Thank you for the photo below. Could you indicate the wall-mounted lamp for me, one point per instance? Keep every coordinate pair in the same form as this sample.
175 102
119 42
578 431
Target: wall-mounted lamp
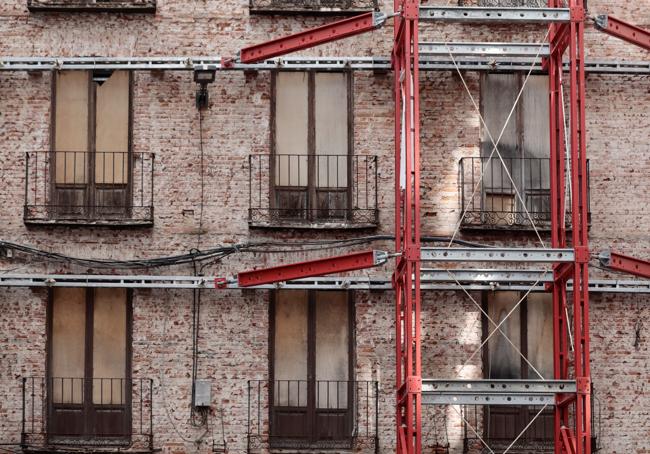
101 75
203 77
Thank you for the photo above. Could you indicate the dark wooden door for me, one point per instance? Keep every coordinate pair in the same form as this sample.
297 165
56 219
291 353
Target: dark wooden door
89 384
312 394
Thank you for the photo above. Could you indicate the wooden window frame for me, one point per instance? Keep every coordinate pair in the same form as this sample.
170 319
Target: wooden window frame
90 185
311 147
311 361
87 404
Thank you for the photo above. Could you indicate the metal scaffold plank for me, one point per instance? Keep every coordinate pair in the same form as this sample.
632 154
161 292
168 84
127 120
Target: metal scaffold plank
485 49
494 14
539 255
494 392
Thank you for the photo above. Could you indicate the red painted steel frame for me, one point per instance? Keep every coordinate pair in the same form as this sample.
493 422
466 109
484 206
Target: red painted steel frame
309 38
578 440
406 278
320 267
621 29
627 264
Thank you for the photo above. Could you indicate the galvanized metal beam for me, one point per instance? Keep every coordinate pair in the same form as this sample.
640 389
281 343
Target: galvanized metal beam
494 392
494 14
441 254
485 49
439 63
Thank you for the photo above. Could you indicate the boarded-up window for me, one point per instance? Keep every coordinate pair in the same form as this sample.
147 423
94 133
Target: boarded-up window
529 327
88 365
91 144
311 146
524 145
311 364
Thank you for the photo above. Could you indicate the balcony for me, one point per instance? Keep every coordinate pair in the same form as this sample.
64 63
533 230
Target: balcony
323 414
489 200
306 191
337 7
112 413
120 6
89 188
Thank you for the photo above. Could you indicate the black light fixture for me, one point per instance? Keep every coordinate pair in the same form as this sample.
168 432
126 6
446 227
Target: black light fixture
203 77
101 75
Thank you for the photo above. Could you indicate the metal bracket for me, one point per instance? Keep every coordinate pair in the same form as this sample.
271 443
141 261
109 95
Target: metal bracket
410 11
583 385
582 254
413 384
577 13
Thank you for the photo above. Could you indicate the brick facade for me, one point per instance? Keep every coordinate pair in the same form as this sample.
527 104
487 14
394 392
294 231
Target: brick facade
234 326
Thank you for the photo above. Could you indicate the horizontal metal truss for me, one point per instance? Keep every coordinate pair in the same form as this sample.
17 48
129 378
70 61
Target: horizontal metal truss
508 15
441 254
485 49
494 392
441 63
432 280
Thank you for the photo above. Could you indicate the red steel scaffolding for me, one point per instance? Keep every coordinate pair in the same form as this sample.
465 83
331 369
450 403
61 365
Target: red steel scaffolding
572 428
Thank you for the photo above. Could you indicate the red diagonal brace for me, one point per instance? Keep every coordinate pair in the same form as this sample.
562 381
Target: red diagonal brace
568 440
320 267
627 32
313 37
627 264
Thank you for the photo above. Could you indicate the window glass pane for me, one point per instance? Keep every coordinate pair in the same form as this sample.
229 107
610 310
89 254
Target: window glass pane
112 130
332 349
504 361
68 345
109 346
290 349
291 128
540 334
331 118
71 126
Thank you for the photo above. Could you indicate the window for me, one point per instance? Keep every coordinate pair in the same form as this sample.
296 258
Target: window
88 384
123 6
91 142
311 368
524 147
530 328
311 146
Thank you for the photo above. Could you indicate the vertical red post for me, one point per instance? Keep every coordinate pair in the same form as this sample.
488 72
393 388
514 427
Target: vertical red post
406 278
561 37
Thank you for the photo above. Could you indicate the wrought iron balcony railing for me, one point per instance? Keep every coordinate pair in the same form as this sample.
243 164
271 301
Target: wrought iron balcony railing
87 412
317 414
77 187
311 6
489 199
122 6
301 191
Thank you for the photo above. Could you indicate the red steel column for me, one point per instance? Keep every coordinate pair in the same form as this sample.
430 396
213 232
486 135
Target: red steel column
558 44
407 228
580 233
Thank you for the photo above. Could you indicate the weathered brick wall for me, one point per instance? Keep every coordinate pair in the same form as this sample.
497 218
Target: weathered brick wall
234 328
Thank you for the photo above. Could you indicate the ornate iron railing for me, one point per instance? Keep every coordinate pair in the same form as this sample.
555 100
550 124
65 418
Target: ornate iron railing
87 412
307 190
489 199
322 414
124 6
76 187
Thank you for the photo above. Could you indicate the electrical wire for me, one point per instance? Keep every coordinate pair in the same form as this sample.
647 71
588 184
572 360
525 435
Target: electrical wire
217 253
198 237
